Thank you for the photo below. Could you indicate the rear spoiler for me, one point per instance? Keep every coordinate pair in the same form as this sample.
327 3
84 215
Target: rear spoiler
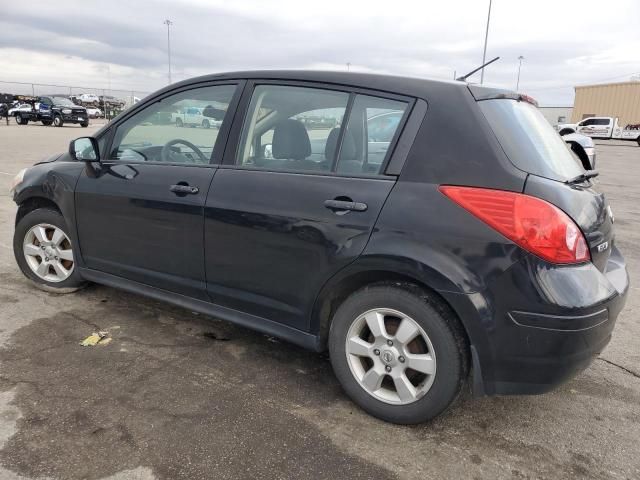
487 93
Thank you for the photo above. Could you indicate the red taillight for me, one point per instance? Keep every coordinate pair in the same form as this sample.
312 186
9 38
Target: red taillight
535 225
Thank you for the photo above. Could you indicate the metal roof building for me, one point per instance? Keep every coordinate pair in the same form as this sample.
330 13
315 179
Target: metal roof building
608 100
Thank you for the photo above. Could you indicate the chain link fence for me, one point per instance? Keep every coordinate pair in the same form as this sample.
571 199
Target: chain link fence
127 97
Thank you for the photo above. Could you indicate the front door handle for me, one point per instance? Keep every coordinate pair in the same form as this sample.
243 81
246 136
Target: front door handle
345 205
184 189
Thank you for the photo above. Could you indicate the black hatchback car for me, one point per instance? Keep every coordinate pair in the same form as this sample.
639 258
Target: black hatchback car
428 234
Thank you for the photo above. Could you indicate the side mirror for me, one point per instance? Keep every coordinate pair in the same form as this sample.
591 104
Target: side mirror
85 149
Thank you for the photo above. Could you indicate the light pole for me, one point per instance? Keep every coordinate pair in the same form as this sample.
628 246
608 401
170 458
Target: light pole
168 23
486 37
348 66
520 58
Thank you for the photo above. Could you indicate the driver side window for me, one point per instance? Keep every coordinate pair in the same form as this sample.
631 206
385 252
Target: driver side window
181 128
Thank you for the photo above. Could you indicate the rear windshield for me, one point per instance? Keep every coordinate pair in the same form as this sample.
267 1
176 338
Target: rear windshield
529 140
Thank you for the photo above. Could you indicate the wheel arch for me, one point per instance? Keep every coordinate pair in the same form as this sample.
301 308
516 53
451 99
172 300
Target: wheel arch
33 203
359 275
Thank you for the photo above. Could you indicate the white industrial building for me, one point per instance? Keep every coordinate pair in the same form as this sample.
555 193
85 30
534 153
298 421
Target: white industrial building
556 115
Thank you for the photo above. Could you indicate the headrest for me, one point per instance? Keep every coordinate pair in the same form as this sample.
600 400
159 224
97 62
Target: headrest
348 151
290 140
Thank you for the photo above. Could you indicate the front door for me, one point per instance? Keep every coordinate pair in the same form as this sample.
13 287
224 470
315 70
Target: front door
140 212
295 202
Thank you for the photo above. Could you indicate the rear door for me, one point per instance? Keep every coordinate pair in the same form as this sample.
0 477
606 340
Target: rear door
140 214
296 199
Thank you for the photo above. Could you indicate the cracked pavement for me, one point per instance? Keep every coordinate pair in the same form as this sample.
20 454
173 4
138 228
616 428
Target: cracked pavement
180 395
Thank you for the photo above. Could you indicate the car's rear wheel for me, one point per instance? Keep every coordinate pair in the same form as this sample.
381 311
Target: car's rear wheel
206 124
178 122
85 124
20 120
44 252
398 353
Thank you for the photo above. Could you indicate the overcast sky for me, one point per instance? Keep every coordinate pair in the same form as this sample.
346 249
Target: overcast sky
80 42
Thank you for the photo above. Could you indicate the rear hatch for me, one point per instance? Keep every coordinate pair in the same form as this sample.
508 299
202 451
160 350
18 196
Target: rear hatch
555 173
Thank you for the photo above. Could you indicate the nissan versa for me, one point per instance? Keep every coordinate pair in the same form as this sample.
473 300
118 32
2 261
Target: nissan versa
429 234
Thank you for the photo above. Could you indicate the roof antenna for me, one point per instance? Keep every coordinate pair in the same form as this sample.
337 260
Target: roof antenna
464 77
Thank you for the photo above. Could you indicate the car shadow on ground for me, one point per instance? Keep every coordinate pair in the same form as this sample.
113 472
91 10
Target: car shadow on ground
186 395
192 397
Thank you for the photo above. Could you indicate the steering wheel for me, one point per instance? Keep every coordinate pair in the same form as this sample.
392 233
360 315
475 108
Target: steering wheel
165 153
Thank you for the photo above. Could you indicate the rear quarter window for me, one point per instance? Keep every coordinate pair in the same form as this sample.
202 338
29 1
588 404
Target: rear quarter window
529 140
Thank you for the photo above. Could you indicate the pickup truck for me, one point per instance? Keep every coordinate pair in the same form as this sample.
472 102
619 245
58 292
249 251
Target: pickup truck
602 127
192 117
50 109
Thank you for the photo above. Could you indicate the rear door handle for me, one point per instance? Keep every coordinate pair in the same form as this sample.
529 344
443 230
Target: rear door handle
184 189
345 205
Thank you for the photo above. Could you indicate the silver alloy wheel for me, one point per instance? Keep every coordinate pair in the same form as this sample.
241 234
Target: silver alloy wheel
47 250
390 356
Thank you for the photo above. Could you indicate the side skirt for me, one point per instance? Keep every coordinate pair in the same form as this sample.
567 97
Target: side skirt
285 332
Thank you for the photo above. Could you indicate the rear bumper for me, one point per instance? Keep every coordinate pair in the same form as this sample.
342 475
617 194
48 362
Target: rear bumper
539 325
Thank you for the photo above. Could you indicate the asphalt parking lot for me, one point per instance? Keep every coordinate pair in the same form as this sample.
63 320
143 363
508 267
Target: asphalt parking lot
177 395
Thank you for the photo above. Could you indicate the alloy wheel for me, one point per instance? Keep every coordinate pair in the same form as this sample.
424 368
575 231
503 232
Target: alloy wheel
391 356
47 250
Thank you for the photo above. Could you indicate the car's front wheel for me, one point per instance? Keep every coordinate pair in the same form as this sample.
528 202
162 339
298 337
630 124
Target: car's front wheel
58 121
399 353
44 252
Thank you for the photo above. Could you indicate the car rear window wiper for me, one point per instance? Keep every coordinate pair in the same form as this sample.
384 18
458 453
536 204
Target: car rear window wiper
583 177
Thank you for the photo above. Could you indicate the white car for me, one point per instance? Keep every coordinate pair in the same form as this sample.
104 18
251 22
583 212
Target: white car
25 107
89 98
94 112
193 117
583 147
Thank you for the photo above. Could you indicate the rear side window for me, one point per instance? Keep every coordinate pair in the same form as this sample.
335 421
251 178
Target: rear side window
529 140
372 126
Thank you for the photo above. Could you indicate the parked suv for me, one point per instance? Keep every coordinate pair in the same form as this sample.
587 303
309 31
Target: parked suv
478 254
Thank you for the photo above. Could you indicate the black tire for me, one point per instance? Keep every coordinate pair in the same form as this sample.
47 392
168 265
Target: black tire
20 120
58 121
52 217
206 124
438 322
638 140
565 131
47 123
85 124
179 122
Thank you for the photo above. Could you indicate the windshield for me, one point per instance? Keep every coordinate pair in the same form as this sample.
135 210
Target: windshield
65 102
529 140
